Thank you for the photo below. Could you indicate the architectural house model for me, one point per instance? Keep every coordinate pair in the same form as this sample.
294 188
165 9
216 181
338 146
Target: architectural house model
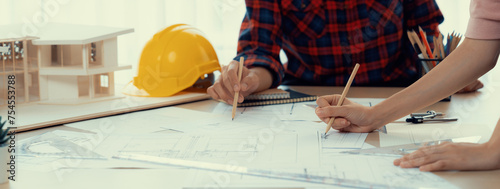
60 63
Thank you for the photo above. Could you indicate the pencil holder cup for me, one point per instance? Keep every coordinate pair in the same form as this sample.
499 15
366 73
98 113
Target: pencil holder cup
425 65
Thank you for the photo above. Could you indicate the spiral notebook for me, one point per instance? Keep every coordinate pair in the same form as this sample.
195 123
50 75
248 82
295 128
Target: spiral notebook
269 94
270 98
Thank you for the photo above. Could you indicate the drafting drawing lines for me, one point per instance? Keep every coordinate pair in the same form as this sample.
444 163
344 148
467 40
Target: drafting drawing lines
278 109
191 146
336 139
224 147
163 147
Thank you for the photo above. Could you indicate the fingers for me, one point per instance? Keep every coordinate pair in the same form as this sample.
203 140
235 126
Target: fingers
352 117
397 162
227 84
212 93
476 85
249 83
230 78
436 166
324 101
331 111
428 158
433 163
355 129
219 92
330 100
326 113
338 122
419 160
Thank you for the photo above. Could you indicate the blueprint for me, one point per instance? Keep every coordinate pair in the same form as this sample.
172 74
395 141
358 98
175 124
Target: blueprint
279 146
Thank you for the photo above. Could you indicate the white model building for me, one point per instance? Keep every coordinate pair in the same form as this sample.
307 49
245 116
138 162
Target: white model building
60 64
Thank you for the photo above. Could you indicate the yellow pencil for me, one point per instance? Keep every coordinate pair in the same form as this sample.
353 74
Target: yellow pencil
237 94
344 93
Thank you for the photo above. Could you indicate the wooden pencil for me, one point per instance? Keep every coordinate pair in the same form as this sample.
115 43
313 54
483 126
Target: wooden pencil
456 39
412 41
436 47
415 37
453 41
344 93
237 94
426 43
448 44
441 46
419 44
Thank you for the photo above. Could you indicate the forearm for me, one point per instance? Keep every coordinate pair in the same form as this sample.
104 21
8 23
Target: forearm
468 62
259 41
495 137
265 78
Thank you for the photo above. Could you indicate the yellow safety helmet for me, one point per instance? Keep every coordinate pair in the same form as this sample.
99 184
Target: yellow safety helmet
172 61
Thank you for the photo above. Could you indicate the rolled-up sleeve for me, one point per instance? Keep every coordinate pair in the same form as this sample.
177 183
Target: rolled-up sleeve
484 22
260 38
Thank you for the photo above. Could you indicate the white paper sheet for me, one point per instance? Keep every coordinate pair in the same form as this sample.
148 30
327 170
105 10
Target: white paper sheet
144 122
336 139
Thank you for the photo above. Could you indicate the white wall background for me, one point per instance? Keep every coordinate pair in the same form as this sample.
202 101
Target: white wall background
219 19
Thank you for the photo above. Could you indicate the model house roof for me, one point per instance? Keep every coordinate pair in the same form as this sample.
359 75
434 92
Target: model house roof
16 38
61 34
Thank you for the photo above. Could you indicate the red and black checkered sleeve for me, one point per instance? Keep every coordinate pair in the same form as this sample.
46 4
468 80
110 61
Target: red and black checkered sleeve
423 13
260 37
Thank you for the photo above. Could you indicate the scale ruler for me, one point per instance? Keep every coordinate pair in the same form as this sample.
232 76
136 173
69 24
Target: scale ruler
252 172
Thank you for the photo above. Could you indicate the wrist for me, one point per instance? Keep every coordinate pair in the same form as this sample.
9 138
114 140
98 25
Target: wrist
492 148
377 116
264 78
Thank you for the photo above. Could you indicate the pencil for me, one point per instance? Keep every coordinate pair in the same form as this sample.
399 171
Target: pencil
441 48
435 52
237 94
419 44
412 41
426 43
344 93
415 37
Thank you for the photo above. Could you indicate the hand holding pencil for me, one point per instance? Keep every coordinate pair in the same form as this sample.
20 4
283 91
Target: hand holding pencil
344 93
229 82
350 117
342 114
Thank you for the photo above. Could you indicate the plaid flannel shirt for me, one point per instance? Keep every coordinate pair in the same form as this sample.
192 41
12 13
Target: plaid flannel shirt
323 39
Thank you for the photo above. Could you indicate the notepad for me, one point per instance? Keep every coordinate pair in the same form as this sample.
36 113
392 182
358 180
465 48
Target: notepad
293 96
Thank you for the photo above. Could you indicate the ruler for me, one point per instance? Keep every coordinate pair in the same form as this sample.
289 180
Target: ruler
400 150
250 171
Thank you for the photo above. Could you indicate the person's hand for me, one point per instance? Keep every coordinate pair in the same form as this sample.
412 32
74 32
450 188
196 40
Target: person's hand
227 83
474 86
452 156
350 117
